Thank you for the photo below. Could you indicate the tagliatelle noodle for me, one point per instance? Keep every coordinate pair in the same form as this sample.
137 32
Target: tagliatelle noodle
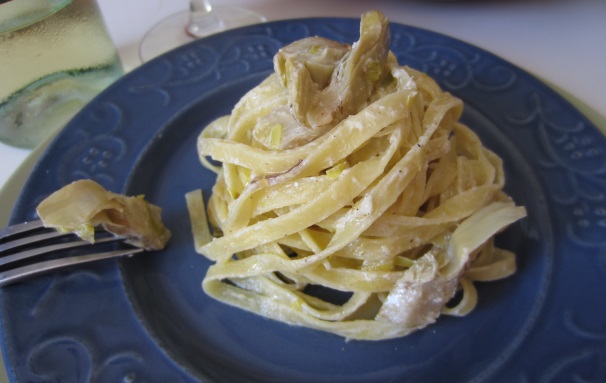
394 205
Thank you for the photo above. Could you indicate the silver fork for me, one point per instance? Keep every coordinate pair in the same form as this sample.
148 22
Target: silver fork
24 241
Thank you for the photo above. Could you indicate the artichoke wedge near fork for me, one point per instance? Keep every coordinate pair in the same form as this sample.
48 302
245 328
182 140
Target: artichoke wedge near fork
82 205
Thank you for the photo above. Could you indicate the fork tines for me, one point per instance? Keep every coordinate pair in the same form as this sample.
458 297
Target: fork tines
22 242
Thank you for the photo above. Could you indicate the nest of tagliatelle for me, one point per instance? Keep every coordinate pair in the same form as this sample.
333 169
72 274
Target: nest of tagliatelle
346 171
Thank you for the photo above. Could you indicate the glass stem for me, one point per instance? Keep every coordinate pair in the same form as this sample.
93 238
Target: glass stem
202 20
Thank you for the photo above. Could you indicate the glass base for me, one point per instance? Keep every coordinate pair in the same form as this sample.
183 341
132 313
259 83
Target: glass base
172 32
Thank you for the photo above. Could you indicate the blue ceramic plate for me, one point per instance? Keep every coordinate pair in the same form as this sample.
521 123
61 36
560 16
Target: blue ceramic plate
146 319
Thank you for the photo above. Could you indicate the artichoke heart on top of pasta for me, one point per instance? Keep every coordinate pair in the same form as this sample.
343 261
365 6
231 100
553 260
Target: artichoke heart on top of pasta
328 81
82 205
346 171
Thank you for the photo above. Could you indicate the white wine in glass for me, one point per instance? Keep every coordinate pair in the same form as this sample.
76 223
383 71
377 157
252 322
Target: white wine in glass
202 19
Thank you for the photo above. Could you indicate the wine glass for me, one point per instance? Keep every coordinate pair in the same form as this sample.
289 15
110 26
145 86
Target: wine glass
202 19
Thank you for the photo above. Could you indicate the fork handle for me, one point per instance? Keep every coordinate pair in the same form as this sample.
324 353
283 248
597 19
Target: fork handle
23 272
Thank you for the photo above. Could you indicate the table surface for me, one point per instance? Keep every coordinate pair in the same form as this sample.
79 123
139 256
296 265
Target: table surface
559 41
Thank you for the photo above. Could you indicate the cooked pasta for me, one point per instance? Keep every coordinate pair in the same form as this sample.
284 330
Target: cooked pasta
344 171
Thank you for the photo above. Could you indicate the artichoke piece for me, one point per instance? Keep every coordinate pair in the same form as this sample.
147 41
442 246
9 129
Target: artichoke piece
355 78
305 68
82 205
328 81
